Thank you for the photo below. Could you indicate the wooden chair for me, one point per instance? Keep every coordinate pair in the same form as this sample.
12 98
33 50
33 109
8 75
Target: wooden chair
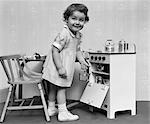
16 75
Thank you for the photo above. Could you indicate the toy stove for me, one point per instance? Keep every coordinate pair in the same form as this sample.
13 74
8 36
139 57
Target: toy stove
111 82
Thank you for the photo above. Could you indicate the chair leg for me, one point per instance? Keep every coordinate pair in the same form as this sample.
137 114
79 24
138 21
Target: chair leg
6 104
13 95
44 102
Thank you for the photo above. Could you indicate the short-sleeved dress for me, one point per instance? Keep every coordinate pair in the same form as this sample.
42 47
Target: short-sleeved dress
68 44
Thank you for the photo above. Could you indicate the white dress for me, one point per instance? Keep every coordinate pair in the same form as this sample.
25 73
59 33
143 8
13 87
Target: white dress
68 44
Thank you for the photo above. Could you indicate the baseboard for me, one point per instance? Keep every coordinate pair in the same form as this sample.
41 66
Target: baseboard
3 94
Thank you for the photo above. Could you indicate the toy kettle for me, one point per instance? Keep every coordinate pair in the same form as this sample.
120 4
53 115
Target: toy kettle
109 46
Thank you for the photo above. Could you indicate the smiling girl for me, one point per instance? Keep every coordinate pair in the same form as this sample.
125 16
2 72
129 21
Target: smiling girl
60 62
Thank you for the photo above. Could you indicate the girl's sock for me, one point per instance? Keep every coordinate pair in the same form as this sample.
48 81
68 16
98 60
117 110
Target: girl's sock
51 103
52 110
62 107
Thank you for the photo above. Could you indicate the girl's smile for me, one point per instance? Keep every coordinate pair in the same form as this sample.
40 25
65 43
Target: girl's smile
76 21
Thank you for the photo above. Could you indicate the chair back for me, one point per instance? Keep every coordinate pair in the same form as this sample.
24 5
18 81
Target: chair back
12 66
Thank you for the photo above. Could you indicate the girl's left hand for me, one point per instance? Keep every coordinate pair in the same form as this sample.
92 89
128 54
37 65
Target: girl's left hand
84 65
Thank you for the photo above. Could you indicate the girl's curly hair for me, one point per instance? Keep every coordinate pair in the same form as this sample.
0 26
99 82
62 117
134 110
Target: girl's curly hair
76 7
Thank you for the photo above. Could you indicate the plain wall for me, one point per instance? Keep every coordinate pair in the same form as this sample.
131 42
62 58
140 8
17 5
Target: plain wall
28 26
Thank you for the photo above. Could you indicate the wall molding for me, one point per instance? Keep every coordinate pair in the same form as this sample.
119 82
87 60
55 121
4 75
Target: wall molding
4 92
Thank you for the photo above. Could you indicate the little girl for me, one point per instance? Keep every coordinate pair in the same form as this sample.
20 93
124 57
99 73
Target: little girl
60 61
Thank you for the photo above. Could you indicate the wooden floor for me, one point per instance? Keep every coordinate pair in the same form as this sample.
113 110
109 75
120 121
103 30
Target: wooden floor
86 117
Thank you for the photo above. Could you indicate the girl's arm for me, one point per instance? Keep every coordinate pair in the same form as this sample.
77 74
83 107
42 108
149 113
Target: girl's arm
79 54
81 59
58 63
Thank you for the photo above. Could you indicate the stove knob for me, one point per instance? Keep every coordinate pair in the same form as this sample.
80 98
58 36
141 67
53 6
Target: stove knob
103 58
95 58
99 58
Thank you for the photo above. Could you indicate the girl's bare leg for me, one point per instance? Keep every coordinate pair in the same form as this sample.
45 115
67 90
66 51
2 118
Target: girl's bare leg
52 110
52 92
61 95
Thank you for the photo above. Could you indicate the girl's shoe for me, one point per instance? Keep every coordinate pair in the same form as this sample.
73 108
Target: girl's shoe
67 116
52 111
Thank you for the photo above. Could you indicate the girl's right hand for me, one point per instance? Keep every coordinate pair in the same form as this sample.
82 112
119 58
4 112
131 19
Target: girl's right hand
62 73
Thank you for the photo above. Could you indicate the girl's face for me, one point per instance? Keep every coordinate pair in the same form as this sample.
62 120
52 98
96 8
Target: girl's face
76 21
